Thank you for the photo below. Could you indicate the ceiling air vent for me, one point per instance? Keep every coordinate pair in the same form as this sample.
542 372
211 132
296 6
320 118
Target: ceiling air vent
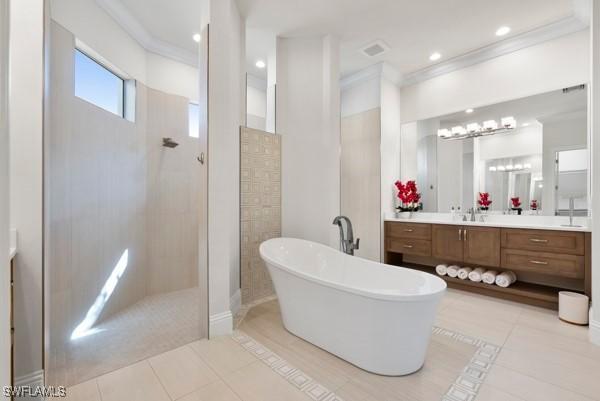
375 49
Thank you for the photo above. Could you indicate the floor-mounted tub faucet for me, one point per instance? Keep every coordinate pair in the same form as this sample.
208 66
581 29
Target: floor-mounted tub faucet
347 244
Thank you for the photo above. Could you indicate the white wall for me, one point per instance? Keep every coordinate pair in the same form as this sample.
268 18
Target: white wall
522 142
92 25
4 201
391 127
308 118
362 96
26 80
548 66
226 114
256 103
170 76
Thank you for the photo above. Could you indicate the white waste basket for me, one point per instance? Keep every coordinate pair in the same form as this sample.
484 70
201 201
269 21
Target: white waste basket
573 307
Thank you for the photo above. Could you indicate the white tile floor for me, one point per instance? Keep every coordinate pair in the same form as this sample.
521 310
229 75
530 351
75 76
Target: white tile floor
542 359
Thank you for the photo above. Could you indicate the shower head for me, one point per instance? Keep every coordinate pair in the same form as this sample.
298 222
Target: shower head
169 143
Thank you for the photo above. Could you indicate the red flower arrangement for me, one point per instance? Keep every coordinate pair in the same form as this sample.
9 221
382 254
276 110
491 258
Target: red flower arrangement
516 202
484 200
533 205
409 196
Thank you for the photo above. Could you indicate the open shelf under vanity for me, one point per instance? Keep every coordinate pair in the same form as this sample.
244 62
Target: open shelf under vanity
545 261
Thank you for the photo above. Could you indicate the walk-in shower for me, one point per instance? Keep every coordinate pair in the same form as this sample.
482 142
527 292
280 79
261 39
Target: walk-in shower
125 263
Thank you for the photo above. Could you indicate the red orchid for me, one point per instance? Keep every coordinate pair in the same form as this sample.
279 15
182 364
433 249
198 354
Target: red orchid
516 202
484 200
534 204
408 195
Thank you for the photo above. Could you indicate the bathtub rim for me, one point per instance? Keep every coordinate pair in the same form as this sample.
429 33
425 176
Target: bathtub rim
353 290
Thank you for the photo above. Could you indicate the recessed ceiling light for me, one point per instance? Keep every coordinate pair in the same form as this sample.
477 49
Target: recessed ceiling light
503 30
261 64
197 37
435 56
469 111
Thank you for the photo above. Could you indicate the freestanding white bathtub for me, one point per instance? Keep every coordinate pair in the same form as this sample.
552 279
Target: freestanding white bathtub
377 317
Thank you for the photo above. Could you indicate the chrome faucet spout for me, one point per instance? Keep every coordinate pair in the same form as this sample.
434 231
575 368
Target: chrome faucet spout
347 244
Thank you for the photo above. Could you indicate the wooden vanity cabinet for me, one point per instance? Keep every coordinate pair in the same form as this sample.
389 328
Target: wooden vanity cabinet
469 244
546 261
481 246
447 243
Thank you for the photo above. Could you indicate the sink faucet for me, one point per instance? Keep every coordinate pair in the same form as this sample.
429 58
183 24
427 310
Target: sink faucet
347 244
472 213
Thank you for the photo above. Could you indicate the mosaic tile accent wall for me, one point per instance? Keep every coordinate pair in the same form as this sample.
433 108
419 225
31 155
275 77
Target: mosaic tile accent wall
260 200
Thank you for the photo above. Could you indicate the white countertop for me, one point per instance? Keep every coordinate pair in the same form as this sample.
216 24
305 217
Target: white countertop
12 250
500 220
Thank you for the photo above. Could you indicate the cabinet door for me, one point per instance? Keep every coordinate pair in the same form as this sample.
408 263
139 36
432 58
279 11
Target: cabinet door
482 246
447 242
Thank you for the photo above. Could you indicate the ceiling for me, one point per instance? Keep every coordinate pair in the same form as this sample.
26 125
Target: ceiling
412 29
173 22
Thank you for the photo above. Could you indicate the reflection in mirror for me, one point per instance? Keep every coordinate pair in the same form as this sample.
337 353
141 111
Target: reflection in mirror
260 79
533 148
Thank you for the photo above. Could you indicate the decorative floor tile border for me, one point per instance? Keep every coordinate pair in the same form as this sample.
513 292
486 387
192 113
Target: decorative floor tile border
468 383
464 388
295 377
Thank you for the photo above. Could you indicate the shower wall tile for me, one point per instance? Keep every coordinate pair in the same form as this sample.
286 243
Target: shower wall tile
173 177
260 201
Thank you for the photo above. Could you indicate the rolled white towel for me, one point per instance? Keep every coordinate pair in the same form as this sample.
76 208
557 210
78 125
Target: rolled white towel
505 279
489 277
463 273
452 271
476 274
441 269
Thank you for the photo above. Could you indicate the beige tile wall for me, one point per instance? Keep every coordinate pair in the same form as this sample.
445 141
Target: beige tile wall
260 194
361 179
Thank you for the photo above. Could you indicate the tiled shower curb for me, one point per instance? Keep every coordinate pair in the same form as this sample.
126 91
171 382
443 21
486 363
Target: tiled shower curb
464 388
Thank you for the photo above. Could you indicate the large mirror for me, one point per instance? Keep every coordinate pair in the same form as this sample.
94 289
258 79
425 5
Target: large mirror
534 149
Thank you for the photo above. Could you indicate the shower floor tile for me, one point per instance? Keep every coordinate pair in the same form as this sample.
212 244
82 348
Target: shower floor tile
150 327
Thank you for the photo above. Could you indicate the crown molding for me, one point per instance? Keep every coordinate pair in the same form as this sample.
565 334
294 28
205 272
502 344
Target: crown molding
379 70
536 36
138 32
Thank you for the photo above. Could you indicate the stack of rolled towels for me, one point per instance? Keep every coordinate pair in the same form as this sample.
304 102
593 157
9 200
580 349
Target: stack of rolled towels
478 275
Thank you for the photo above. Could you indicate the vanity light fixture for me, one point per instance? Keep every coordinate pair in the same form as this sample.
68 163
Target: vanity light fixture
492 168
518 167
525 125
503 30
509 122
490 127
473 128
527 165
501 168
197 37
435 56
444 133
469 111
458 130
261 64
509 167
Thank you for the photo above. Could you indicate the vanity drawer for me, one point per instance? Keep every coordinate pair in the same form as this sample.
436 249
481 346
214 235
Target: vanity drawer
409 246
572 243
571 266
408 230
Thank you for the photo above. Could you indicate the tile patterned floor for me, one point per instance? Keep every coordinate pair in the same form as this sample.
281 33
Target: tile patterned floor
482 350
151 326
